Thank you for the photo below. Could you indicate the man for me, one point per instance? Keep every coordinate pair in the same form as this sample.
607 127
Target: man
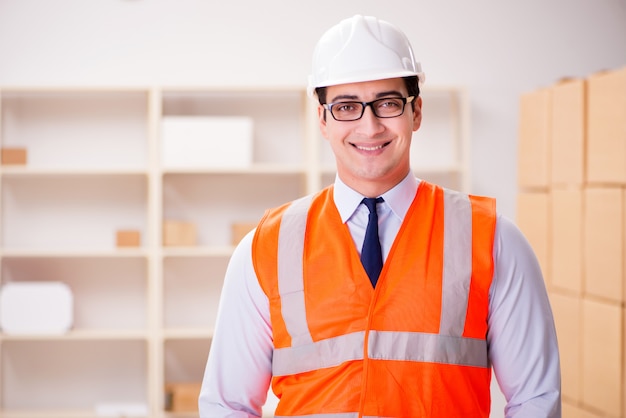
382 295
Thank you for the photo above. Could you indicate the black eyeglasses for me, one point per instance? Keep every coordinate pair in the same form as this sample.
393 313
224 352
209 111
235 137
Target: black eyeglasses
388 107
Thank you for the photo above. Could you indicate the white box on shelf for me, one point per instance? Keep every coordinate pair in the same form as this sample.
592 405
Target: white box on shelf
196 142
121 409
36 308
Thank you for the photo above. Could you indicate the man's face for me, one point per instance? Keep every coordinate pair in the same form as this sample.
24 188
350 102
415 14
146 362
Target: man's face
372 154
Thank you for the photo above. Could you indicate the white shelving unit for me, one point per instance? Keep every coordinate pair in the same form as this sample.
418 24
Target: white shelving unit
143 317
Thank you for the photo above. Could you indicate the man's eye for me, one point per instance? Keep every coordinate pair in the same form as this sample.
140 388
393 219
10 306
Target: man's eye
390 104
345 107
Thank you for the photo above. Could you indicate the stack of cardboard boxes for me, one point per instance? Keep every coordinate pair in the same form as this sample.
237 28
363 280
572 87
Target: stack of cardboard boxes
572 209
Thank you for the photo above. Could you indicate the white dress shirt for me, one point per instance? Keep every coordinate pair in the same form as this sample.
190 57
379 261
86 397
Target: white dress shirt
521 335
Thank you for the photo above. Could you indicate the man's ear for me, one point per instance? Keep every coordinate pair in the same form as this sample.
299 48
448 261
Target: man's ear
321 116
417 113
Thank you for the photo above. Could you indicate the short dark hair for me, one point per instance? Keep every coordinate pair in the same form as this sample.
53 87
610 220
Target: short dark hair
411 82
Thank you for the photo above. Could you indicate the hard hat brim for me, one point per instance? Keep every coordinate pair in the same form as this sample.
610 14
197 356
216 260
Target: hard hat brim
364 78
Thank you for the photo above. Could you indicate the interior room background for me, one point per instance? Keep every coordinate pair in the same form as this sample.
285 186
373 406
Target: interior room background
497 50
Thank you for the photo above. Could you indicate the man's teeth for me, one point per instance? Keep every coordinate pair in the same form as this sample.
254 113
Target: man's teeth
369 148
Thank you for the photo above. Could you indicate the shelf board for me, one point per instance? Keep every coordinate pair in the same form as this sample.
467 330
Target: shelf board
29 171
188 333
74 253
21 90
171 89
66 413
251 170
206 251
81 335
169 414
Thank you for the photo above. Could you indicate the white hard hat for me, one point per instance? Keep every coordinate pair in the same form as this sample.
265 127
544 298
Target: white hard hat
362 48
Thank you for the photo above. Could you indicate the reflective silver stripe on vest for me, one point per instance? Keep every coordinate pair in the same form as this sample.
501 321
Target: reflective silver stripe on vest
330 352
290 279
344 415
337 415
430 348
383 345
457 262
448 347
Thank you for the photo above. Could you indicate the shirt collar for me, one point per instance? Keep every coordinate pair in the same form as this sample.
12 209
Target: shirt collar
399 198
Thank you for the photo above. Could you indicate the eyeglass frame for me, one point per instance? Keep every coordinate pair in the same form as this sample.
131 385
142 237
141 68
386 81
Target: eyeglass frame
405 101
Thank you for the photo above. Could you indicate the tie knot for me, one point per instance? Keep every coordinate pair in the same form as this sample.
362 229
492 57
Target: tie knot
371 202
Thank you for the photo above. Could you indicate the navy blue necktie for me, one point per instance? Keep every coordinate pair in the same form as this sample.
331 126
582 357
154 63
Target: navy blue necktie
371 254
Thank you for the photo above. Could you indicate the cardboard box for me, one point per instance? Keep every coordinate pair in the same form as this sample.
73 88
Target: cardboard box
534 139
205 142
568 319
128 238
575 411
602 356
13 156
606 128
603 246
568 133
182 397
532 219
623 348
566 239
178 233
623 245
240 230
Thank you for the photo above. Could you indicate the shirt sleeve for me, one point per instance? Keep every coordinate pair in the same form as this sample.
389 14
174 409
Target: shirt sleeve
522 337
239 367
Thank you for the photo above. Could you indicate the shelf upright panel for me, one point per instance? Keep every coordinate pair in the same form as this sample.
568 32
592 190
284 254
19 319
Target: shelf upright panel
1 246
156 358
311 136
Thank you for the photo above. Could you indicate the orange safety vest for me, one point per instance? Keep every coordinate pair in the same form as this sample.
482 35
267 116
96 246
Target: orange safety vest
415 346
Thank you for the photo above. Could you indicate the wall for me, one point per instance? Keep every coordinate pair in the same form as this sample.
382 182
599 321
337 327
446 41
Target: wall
497 49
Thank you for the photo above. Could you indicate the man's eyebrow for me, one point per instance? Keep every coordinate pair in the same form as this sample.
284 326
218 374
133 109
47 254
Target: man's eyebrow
351 97
389 93
344 97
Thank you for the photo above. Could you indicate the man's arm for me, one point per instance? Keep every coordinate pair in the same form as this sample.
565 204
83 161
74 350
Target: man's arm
239 368
522 337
